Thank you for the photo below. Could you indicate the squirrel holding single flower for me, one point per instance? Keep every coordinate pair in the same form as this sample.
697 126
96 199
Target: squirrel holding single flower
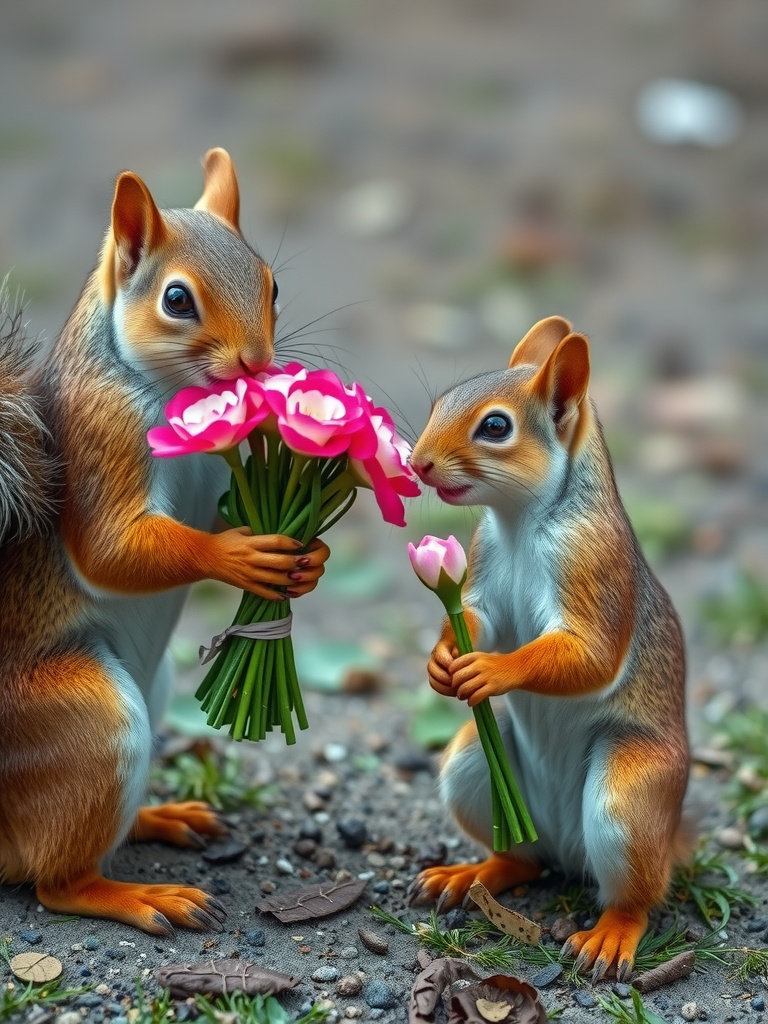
572 628
99 541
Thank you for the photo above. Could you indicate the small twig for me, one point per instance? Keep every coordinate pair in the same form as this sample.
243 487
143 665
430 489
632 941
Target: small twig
679 966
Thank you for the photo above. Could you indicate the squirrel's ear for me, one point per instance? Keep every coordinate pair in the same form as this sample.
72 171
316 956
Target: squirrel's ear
221 195
563 380
540 341
137 227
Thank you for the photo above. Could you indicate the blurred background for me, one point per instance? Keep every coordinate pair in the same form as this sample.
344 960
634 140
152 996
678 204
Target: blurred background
428 180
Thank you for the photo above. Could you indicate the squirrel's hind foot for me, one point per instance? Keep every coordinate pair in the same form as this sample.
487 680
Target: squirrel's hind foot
153 908
448 886
183 824
610 945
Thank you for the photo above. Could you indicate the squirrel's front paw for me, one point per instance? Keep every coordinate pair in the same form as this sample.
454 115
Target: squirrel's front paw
477 676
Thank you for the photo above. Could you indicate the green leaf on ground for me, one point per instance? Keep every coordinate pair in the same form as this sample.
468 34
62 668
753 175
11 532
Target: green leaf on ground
324 664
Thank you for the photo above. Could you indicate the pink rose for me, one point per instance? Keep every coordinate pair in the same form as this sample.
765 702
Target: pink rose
316 414
210 420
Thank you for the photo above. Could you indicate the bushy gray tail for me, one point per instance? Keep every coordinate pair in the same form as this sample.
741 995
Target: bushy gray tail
26 466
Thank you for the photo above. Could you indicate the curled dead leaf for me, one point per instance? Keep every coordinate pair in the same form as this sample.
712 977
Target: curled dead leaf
501 999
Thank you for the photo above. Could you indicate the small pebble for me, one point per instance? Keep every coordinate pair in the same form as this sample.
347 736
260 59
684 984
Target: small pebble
689 1011
334 753
69 1017
221 886
353 832
325 974
730 838
431 855
305 848
310 829
267 887
373 941
115 954
380 996
352 1012
621 990
412 760
32 937
349 985
547 975
382 888
349 953
91 943
256 937
563 928
585 999
455 918
758 822
325 858
758 1003
284 866
224 853
312 802
89 999
756 924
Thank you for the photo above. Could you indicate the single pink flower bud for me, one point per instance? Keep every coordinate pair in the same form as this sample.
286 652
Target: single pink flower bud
441 565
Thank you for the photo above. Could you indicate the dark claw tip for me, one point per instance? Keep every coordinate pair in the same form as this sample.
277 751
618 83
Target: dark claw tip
164 925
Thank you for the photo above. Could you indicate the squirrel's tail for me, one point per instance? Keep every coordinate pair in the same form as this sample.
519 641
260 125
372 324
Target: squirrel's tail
26 465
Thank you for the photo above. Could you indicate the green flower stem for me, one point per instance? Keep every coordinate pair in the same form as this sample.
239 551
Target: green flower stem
511 819
238 471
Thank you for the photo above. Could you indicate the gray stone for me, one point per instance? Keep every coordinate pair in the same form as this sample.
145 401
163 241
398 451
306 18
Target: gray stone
325 974
380 996
547 975
353 832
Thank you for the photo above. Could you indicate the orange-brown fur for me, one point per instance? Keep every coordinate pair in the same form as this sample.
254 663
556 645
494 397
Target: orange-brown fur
571 627
90 595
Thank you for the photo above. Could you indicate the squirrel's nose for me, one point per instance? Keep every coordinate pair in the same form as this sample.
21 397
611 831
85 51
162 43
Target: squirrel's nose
423 469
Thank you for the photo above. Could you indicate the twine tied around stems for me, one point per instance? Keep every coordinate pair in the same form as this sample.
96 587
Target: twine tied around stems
276 630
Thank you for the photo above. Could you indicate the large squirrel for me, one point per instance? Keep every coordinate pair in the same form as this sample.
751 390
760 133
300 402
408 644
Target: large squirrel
572 628
100 540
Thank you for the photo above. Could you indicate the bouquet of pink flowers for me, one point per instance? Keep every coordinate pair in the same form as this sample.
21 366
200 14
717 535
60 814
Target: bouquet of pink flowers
313 441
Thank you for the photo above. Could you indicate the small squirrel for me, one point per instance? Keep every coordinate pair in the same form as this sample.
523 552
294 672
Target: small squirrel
100 540
581 640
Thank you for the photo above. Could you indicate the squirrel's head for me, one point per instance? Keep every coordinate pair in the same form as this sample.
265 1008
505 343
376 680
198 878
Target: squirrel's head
506 437
191 301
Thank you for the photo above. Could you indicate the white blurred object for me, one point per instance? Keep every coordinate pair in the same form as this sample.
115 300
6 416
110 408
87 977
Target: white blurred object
676 111
375 208
507 314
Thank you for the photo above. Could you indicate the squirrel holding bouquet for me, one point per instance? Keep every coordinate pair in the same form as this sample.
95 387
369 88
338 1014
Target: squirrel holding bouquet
571 627
99 541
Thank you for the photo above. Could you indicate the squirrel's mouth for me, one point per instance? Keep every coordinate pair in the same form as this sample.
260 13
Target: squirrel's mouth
452 495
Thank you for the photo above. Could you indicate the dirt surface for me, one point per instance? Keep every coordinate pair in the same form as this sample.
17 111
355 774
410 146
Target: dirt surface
429 179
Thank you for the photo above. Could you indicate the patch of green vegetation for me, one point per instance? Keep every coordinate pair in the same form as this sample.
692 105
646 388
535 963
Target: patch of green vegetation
432 720
219 779
572 899
152 1009
746 733
739 616
479 942
710 883
635 1012
236 1006
16 998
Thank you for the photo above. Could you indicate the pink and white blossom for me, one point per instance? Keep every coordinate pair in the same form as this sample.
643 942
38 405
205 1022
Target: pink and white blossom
435 556
210 419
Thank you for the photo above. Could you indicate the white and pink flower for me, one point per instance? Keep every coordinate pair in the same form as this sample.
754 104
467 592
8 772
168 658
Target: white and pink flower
210 419
441 565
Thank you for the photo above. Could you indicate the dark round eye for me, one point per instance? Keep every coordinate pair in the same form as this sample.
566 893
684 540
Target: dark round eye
178 302
495 427
275 291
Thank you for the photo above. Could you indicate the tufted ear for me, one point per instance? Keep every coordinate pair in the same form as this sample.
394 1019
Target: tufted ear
540 341
221 195
563 380
137 227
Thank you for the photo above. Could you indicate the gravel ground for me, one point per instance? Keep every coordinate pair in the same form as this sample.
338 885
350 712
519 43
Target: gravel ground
447 173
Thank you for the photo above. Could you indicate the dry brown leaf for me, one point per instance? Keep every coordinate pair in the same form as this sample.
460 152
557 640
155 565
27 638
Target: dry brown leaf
313 901
506 920
501 999
429 986
216 977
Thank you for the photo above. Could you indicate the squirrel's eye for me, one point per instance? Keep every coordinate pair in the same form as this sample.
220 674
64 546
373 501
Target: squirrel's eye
275 291
178 302
495 427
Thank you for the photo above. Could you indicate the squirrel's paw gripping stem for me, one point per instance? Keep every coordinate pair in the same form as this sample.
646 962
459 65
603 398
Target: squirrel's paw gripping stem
610 945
